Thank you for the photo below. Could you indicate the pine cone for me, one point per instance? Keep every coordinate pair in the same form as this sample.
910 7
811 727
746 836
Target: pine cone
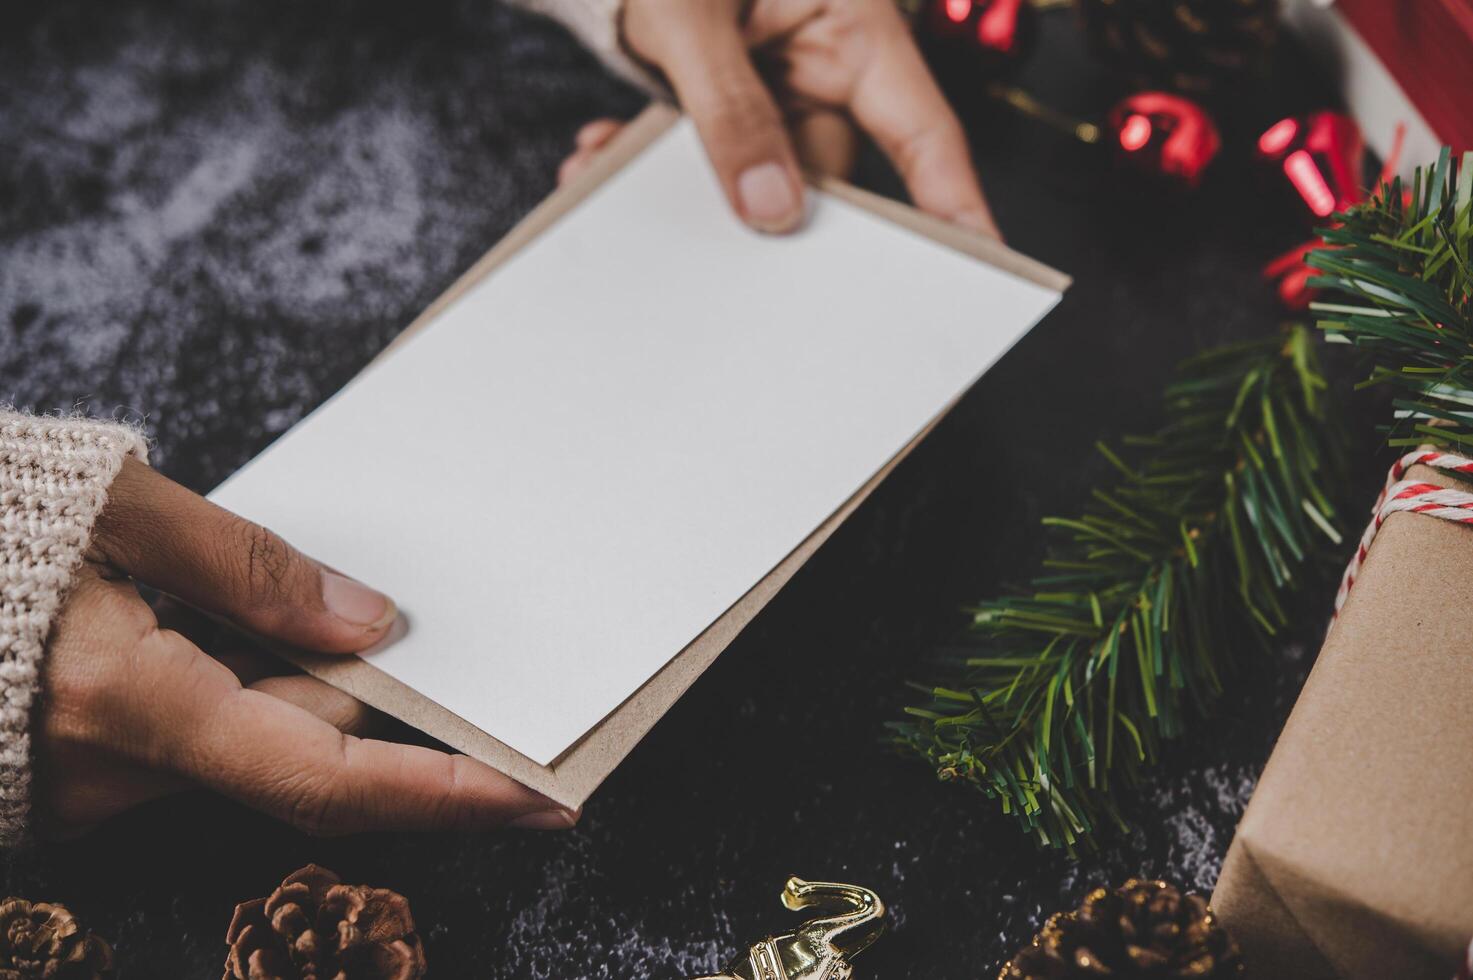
314 927
39 940
1144 930
1192 46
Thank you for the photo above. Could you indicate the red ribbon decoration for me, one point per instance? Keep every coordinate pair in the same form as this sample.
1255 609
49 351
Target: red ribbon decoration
1322 156
1165 134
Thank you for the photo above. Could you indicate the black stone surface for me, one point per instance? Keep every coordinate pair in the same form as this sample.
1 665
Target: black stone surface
212 214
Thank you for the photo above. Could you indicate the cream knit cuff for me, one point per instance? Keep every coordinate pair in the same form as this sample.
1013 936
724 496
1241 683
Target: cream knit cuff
54 477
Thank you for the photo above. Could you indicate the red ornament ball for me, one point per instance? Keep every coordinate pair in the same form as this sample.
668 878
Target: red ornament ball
1320 156
993 36
1164 135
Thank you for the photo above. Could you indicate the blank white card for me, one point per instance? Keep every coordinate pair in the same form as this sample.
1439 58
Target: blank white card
591 454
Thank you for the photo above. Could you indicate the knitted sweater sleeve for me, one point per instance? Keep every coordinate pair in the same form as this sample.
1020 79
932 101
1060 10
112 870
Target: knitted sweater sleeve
54 477
597 24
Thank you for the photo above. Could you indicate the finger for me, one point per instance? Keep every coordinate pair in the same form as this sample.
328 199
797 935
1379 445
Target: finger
180 543
281 759
249 666
596 134
590 139
86 750
225 643
262 671
571 166
897 102
175 615
88 671
574 165
340 710
701 50
826 142
277 757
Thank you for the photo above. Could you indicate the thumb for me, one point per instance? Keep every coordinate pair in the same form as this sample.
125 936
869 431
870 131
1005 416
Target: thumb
176 541
700 48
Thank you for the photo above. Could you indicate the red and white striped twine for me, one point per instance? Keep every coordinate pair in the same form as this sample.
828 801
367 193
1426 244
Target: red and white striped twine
1412 497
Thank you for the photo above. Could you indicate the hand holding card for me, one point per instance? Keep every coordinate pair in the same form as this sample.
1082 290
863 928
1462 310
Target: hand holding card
603 455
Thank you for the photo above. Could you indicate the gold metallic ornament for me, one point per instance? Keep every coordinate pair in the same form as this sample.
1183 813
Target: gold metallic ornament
819 949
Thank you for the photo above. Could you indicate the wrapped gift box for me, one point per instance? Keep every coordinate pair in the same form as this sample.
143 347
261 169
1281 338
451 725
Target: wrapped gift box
1354 859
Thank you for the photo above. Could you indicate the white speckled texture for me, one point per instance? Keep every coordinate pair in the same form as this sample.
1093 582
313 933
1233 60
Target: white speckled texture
258 195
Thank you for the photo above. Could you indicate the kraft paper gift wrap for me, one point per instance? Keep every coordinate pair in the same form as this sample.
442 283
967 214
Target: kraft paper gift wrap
1354 859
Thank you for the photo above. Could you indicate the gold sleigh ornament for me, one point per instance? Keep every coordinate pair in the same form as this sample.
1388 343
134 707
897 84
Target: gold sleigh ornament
819 949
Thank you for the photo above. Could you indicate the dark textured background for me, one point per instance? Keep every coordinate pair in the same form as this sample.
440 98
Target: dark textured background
212 214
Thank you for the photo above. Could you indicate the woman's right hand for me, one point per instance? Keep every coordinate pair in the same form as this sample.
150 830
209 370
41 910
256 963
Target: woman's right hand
132 710
770 83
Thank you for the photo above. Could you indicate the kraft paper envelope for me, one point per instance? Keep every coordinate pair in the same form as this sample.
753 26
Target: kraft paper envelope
591 462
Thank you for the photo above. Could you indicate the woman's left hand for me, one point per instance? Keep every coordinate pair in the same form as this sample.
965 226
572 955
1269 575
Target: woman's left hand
782 85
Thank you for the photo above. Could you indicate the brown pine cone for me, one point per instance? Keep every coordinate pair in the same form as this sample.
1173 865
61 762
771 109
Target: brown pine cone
314 927
1143 930
40 941
1195 46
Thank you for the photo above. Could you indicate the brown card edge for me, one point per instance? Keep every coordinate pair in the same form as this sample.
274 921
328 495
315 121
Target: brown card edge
574 775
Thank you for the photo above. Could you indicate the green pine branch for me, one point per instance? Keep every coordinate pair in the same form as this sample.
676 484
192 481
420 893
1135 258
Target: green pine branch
1063 694
1399 266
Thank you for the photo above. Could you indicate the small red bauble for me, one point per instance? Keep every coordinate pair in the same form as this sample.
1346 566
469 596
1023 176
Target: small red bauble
993 35
1165 135
1321 156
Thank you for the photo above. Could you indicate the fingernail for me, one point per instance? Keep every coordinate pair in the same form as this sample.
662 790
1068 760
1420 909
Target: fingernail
355 602
977 220
545 820
768 199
